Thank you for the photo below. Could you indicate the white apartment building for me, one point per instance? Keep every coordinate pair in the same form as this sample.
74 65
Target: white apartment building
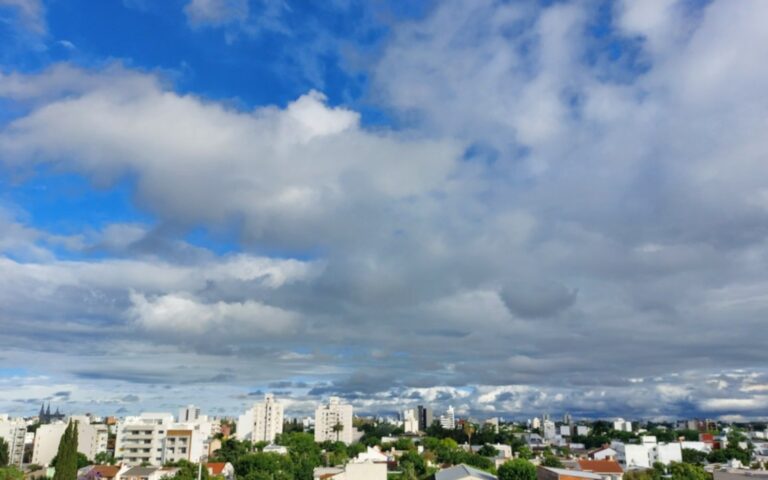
263 422
632 456
14 432
410 421
156 439
549 430
91 440
448 419
328 416
142 438
535 422
622 425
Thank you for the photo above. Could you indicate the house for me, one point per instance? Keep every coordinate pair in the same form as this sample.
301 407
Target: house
608 469
463 472
602 453
549 473
221 469
353 471
148 473
279 449
372 454
101 472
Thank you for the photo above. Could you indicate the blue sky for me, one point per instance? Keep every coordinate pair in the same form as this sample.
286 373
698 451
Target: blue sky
509 207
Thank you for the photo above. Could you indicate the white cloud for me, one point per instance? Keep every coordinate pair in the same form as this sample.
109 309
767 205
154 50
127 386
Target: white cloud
216 12
31 13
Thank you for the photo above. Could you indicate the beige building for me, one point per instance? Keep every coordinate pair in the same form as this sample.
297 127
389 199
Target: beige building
91 440
263 422
328 416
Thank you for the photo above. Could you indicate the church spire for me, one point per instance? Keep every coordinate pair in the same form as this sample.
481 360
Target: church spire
42 411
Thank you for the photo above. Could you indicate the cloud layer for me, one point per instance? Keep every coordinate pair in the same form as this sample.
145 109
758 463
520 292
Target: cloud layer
561 220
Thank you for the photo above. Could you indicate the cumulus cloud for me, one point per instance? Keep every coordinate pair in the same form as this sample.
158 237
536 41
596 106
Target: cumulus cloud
557 228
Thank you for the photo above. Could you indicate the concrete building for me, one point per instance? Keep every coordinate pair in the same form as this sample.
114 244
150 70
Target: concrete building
91 440
549 431
582 430
535 423
14 432
622 425
263 422
647 453
448 419
189 413
183 444
410 421
142 438
328 416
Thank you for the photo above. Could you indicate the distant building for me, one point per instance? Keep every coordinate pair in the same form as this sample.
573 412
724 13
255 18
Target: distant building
448 419
141 439
567 418
263 422
424 415
410 421
14 432
189 414
45 416
333 421
622 425
535 423
549 430
647 453
352 471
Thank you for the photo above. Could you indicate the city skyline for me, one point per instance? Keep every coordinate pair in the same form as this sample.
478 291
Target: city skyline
507 207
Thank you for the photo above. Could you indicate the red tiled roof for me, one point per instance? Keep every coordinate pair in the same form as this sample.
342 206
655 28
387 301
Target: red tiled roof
600 466
105 471
216 468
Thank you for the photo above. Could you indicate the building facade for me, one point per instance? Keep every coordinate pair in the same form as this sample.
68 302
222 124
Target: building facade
333 422
91 440
13 431
263 422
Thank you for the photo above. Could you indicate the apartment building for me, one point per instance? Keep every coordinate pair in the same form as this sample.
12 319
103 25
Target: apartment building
142 438
91 440
13 431
333 421
263 422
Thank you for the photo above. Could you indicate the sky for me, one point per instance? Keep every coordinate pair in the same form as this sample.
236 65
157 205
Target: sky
511 207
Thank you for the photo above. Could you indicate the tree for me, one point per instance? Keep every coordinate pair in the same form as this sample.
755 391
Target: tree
337 429
524 452
188 471
66 457
517 469
3 453
488 451
414 460
104 458
694 457
685 471
11 473
552 461
469 430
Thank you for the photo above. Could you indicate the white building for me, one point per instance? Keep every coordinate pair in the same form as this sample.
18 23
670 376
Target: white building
328 416
263 422
91 440
582 430
183 444
190 413
410 421
622 425
535 423
647 453
353 471
14 432
448 419
549 430
142 439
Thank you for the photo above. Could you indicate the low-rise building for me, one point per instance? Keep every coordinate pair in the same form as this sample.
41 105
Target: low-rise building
221 469
353 471
549 473
463 472
607 469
